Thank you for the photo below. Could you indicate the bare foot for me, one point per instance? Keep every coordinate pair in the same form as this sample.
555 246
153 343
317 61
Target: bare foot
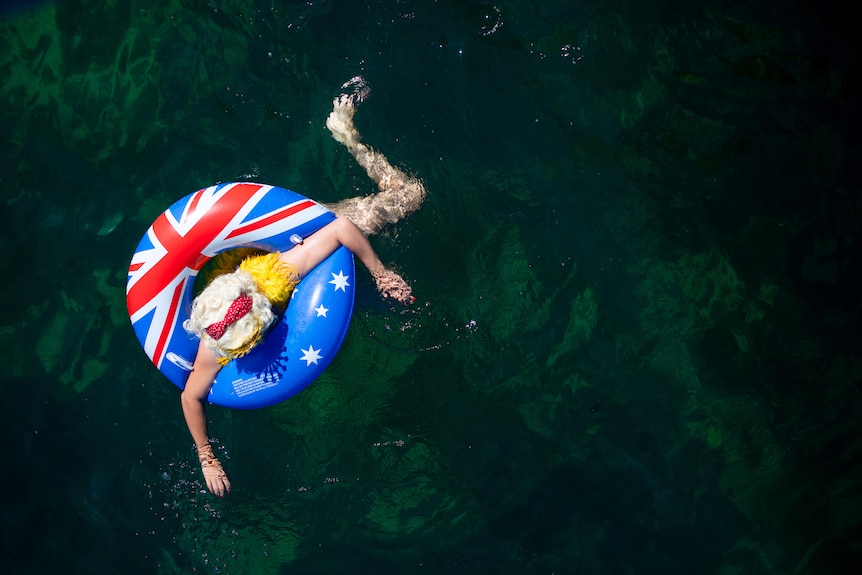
340 120
357 88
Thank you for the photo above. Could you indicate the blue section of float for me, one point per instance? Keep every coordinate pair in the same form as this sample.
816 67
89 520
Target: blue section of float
177 207
145 244
142 326
299 347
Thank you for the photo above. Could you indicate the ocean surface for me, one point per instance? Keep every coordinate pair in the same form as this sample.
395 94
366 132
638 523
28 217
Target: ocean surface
636 343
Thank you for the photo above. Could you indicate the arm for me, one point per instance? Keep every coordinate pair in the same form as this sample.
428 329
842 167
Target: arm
343 232
193 400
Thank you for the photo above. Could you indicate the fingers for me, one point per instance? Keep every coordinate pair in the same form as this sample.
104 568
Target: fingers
214 475
391 285
402 294
211 486
218 486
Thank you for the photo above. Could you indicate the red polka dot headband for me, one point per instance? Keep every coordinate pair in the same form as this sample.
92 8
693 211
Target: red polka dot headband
237 309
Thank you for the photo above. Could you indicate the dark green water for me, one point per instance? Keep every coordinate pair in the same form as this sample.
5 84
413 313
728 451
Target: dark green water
636 347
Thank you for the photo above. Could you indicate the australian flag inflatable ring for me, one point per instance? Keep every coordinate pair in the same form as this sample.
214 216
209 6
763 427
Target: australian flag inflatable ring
160 286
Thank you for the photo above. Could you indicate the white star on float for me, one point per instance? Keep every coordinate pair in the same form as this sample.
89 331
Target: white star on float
321 311
340 281
295 291
310 356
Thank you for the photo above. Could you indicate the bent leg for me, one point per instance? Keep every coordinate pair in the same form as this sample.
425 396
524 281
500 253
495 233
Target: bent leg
400 195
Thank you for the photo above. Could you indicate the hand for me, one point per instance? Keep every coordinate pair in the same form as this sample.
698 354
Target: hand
214 475
392 285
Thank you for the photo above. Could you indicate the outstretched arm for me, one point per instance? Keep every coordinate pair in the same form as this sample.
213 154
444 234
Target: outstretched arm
193 399
343 232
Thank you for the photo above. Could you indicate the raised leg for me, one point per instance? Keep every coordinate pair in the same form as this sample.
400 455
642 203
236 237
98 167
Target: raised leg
399 194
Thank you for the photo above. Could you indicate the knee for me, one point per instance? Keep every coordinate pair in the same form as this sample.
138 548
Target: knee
344 226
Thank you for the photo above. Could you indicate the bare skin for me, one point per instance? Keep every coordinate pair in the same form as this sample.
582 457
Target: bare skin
399 196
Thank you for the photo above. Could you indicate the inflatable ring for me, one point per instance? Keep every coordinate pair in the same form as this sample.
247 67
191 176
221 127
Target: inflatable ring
160 287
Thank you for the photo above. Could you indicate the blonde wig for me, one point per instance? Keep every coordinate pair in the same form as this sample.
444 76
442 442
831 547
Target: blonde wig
267 280
212 304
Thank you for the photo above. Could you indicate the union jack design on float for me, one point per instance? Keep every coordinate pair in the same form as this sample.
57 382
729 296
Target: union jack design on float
183 238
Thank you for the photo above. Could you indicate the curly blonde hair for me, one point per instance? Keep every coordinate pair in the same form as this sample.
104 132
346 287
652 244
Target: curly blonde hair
211 305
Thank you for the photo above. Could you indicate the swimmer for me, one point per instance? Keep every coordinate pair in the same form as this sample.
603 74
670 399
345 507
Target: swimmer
234 311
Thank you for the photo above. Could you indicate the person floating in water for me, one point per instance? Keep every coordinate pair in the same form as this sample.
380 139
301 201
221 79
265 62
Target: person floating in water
234 311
